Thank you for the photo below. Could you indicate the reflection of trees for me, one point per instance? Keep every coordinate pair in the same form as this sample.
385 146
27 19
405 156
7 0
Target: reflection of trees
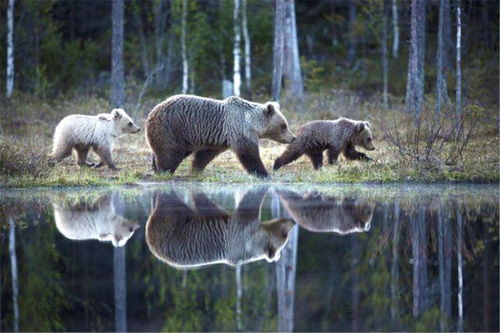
120 287
13 269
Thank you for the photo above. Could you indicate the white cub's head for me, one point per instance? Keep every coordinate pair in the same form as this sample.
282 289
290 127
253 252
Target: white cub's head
123 230
277 125
363 135
122 122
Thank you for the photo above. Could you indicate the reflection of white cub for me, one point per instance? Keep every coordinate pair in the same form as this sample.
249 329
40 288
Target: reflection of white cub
94 220
322 213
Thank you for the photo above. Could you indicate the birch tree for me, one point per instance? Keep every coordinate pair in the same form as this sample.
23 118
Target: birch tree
459 69
247 48
292 72
279 11
10 49
395 27
440 78
185 64
117 74
236 49
415 82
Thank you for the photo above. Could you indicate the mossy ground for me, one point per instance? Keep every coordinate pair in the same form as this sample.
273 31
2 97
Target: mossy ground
30 124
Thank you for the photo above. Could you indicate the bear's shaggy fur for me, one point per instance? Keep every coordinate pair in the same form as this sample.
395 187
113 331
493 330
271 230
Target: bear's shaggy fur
186 237
317 212
82 132
335 136
93 220
185 124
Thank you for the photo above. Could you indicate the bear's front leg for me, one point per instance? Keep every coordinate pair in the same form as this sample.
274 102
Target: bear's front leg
105 154
248 153
351 154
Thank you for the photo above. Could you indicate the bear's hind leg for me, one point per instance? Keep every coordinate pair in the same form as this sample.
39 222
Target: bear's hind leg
169 160
203 157
60 152
82 153
316 159
292 153
333 155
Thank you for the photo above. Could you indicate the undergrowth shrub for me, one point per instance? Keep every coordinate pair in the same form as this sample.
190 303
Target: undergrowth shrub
21 159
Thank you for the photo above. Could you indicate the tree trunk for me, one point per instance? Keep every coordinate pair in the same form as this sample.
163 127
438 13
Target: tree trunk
351 53
120 269
246 39
160 25
395 263
395 26
10 49
185 64
447 38
292 72
279 12
14 275
444 256
440 60
459 70
236 49
419 251
385 60
143 43
415 82
117 74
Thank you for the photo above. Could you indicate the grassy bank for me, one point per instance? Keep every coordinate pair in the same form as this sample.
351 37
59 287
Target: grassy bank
26 135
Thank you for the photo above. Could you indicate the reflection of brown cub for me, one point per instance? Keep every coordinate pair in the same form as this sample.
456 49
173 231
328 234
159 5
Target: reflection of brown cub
183 237
320 213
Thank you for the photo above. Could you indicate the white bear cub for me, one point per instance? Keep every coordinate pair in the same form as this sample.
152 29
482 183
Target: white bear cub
82 132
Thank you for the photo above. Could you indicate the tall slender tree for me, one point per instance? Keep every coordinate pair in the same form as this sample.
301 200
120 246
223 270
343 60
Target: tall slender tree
247 47
395 27
236 49
185 63
10 49
291 66
440 59
351 53
458 103
14 275
415 82
279 11
117 73
385 59
120 287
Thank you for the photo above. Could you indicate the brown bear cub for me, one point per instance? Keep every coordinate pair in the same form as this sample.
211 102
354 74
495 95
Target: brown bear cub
335 136
185 124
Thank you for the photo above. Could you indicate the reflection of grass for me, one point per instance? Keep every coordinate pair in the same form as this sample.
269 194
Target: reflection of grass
480 163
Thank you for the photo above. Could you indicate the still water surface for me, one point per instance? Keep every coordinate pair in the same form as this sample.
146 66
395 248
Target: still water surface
186 257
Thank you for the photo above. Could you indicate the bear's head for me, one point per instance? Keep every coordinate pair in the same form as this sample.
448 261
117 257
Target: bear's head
263 241
123 230
276 128
363 135
122 122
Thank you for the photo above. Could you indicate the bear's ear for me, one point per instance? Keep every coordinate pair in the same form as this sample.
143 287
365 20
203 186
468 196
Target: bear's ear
360 126
270 108
367 124
271 253
116 114
103 117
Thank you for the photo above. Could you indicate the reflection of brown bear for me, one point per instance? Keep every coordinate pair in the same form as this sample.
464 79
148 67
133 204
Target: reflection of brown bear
185 124
185 237
96 220
320 213
335 136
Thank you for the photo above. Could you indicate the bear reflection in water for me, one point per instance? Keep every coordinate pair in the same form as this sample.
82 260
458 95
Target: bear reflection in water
317 212
93 220
184 237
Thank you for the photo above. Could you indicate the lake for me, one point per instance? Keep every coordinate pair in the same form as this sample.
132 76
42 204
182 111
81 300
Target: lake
211 257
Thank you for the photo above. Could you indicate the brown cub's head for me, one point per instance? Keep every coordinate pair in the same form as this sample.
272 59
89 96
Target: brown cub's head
277 125
363 135
123 122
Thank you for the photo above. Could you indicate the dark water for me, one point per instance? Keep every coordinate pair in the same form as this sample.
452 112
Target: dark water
242 258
